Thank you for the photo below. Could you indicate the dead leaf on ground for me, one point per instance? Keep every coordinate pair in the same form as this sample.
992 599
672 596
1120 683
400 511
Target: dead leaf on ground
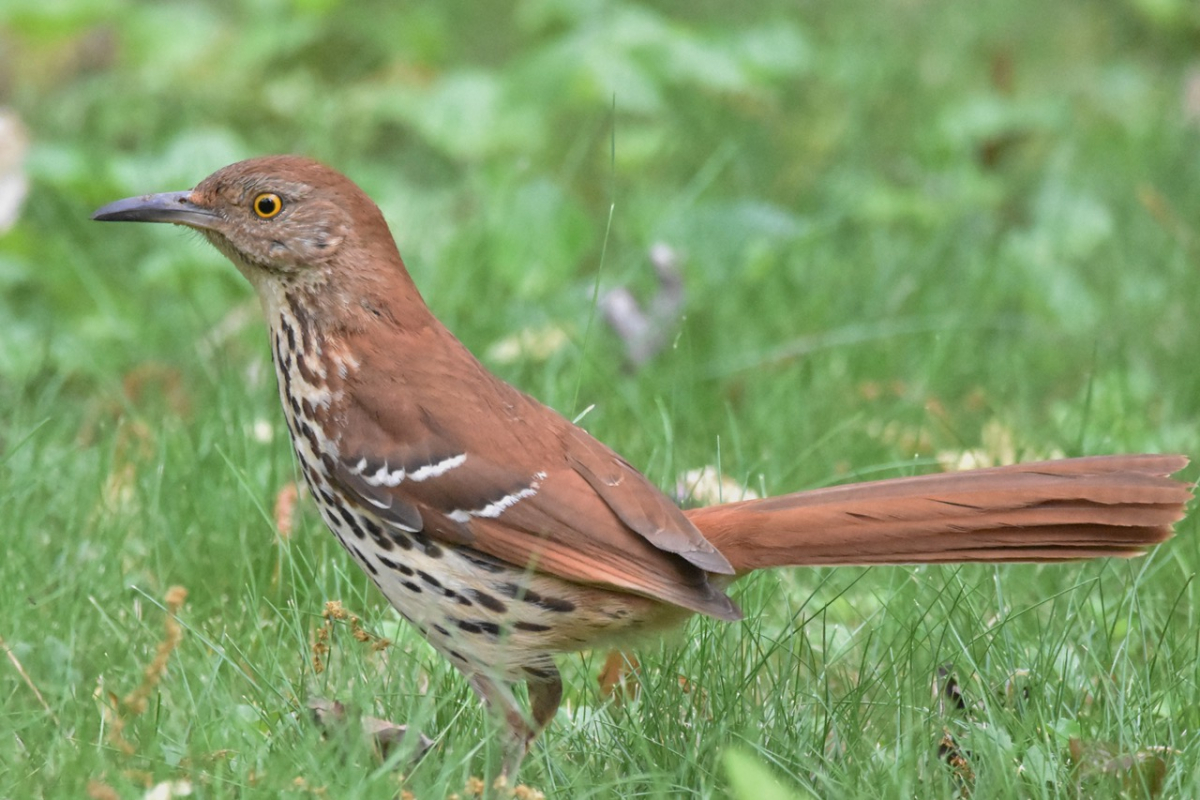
706 486
958 760
164 379
645 330
947 692
618 677
1141 771
99 790
385 736
999 447
949 697
167 790
535 344
285 509
14 185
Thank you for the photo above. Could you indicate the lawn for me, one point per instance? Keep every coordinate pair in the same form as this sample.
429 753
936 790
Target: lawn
910 235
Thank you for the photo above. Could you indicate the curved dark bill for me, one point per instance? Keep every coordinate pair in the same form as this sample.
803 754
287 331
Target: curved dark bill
166 207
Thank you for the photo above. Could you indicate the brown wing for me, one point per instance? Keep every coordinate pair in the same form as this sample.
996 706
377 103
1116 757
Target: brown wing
483 465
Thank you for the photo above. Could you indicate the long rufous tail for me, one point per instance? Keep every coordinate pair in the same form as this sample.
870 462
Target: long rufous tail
1060 510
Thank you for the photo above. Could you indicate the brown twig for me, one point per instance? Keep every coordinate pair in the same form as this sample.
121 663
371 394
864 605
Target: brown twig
135 702
28 680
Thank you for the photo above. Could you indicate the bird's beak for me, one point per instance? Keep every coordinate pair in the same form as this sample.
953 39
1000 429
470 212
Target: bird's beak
176 207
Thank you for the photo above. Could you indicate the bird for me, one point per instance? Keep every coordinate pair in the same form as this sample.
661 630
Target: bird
508 535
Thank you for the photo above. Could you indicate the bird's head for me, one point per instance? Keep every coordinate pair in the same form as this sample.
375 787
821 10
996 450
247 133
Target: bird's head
280 219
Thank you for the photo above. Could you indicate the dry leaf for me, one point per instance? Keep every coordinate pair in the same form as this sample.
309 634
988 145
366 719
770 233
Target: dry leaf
168 380
948 695
169 789
999 447
618 677
285 509
99 790
645 331
385 736
957 759
905 438
536 344
1191 96
1137 772
14 185
946 689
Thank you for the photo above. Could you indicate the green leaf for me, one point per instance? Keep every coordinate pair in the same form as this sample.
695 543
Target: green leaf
750 779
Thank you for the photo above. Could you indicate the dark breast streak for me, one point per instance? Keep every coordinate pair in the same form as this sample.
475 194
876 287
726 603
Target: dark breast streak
485 615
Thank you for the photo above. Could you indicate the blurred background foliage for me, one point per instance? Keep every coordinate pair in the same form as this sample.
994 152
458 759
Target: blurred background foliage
496 137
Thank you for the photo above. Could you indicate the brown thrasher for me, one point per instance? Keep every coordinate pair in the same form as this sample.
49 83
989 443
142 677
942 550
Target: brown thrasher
505 533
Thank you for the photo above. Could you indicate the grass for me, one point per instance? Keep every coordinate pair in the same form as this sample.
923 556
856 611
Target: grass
905 231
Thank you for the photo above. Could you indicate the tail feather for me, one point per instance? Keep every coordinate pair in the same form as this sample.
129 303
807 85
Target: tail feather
1047 511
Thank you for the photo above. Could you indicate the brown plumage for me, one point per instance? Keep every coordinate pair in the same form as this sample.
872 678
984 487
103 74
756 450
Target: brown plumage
1047 511
505 533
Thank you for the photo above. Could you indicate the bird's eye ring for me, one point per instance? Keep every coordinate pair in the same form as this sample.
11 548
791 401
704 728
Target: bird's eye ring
267 205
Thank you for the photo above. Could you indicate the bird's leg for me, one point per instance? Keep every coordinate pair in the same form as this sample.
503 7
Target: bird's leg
518 732
545 694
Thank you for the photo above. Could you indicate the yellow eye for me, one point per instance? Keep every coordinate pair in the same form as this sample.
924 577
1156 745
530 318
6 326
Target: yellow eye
267 205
